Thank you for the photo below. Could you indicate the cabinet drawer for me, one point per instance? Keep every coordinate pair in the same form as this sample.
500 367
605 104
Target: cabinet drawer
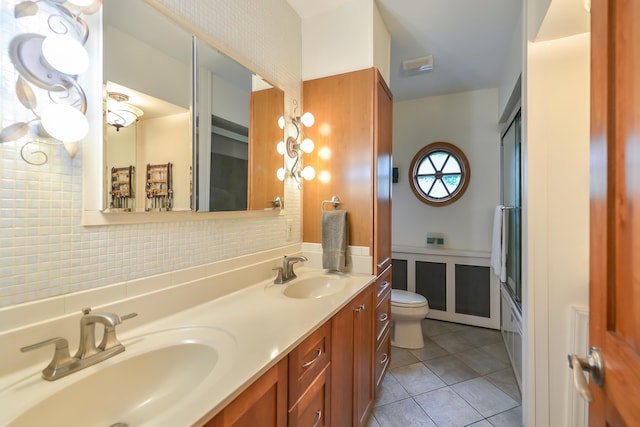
313 408
384 284
382 359
307 360
383 316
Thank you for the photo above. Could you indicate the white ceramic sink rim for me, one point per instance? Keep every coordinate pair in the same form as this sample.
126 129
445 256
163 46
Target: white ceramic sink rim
315 286
200 343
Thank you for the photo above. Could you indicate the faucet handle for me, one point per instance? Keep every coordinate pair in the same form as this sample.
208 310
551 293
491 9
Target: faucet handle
127 316
61 356
109 339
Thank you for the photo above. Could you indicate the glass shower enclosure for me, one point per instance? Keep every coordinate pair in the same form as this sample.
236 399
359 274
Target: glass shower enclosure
510 197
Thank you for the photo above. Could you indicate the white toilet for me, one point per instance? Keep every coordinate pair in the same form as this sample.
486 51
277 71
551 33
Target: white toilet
407 310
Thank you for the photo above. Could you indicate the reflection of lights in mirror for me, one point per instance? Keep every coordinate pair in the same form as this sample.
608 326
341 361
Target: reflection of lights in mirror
48 54
120 113
294 149
324 153
324 177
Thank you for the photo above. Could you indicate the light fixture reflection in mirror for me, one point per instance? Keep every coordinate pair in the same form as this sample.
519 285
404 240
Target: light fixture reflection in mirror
120 113
48 54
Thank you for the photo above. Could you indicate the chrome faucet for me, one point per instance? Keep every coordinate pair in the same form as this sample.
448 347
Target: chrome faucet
87 346
286 273
88 352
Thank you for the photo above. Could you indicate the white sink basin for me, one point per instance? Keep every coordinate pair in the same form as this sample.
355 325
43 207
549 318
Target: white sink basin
315 286
156 373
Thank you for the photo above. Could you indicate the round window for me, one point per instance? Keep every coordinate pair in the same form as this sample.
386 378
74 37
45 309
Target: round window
439 174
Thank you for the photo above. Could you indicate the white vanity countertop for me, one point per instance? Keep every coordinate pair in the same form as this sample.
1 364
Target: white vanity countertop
263 324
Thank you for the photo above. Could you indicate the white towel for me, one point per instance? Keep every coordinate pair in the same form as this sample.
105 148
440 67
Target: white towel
499 242
335 240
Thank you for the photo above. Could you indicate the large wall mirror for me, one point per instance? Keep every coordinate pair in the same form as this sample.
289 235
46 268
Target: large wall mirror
162 151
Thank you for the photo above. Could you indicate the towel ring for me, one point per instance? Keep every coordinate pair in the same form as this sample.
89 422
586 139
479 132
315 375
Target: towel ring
335 202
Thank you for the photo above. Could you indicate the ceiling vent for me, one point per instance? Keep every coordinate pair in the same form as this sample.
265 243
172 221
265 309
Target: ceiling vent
423 63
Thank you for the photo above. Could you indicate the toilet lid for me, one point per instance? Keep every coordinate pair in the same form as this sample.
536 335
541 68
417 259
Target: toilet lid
402 298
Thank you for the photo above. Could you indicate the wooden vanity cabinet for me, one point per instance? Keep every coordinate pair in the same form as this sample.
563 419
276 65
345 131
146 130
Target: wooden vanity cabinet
264 403
352 338
382 355
327 380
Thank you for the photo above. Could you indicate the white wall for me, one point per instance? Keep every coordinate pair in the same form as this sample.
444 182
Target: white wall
163 140
381 45
348 38
153 69
556 202
468 120
511 72
229 101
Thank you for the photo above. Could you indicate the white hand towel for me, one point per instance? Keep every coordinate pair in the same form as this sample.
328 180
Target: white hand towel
496 241
335 236
504 246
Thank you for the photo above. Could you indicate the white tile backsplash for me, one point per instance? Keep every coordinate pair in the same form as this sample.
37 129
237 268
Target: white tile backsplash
45 252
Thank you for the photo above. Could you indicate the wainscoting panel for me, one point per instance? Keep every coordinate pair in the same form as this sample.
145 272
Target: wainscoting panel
458 285
431 281
399 274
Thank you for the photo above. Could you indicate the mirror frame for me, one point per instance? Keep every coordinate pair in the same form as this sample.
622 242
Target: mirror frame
93 202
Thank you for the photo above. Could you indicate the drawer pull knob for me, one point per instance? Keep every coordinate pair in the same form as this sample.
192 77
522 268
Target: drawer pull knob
385 357
314 360
318 419
384 317
360 308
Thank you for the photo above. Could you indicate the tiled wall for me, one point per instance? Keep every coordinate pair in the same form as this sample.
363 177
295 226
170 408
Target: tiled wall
44 249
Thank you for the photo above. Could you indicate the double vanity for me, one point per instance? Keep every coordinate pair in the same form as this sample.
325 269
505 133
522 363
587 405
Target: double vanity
184 366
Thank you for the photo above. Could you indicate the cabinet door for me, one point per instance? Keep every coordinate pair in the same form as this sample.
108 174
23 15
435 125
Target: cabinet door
344 104
352 338
263 404
363 348
383 109
342 367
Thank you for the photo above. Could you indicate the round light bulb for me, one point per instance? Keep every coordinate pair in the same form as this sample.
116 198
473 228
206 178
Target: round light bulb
324 177
65 54
281 148
280 174
64 123
307 145
281 122
308 173
307 119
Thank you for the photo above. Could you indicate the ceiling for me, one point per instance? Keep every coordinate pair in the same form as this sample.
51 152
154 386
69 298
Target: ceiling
469 40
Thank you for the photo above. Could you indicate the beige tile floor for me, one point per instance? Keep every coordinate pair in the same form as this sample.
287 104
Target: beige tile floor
462 377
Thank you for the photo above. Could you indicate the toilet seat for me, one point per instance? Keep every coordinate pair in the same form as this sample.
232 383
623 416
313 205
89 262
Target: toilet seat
400 298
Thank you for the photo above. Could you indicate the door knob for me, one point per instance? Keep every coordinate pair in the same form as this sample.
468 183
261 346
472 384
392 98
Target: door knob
592 364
